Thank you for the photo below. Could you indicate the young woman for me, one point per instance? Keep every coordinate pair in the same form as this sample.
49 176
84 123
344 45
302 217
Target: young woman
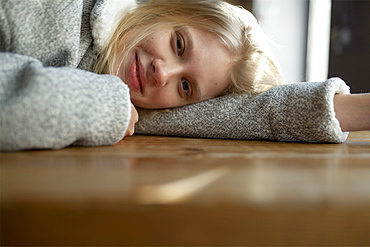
168 54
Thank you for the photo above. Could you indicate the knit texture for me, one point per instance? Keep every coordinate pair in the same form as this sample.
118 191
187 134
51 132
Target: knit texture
45 100
299 112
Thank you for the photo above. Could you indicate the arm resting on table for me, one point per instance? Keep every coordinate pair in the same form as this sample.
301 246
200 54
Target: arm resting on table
300 112
54 107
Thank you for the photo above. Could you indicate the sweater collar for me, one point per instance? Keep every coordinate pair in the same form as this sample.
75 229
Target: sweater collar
105 16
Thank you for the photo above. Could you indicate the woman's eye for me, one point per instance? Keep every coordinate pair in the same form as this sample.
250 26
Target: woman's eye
179 44
185 86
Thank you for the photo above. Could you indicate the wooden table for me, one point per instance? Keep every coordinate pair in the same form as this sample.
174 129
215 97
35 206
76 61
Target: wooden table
149 190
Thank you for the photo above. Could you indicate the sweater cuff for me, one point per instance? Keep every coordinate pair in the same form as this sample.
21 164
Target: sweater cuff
336 86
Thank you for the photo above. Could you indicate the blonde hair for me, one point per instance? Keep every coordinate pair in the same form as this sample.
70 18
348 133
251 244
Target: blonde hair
255 67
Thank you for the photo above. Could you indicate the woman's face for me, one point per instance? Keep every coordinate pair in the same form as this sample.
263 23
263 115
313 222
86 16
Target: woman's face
171 68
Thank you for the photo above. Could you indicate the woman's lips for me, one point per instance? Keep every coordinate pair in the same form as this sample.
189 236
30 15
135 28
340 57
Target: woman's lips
134 75
141 75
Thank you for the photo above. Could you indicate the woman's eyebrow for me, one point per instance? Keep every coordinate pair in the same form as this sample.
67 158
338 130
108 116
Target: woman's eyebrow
188 39
196 94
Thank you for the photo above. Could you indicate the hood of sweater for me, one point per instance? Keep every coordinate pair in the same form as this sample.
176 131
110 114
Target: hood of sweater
105 17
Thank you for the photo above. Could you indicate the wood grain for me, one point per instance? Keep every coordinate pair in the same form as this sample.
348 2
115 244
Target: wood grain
150 190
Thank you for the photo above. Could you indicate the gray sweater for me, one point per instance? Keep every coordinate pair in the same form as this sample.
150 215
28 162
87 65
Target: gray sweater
298 112
50 99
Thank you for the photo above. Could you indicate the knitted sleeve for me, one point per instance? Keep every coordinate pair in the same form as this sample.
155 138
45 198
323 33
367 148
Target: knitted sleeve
48 107
299 112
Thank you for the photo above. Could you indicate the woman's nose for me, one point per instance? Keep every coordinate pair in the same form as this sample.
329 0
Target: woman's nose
163 72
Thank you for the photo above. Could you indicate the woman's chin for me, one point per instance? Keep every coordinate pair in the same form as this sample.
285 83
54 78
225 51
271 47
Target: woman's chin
137 102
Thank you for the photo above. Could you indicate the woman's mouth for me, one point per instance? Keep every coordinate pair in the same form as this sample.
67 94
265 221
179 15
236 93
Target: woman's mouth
138 73
134 75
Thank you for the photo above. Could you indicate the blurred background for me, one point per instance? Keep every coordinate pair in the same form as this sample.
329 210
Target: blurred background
318 39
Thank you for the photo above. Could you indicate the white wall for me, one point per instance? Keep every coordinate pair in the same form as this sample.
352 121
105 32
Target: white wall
285 22
318 43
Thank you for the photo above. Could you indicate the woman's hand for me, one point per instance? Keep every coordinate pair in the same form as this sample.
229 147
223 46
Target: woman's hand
353 111
134 118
